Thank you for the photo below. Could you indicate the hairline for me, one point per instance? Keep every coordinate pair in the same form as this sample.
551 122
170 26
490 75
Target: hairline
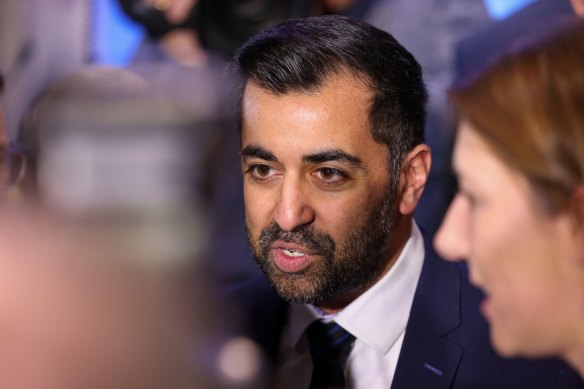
341 70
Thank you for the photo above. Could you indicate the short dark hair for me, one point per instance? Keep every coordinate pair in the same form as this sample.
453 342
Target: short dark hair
298 56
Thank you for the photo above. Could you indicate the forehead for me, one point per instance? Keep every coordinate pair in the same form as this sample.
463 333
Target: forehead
477 165
335 115
472 158
468 147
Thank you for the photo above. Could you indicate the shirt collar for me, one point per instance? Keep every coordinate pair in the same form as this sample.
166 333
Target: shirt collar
380 315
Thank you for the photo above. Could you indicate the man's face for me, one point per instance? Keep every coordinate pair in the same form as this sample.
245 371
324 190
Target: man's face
318 195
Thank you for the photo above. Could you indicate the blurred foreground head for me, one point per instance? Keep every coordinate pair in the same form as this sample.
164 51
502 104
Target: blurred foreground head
76 313
518 218
106 139
107 143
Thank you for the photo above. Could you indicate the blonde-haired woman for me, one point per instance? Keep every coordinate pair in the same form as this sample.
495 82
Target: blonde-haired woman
518 218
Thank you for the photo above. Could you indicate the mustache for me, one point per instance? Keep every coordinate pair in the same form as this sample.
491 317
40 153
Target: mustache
316 241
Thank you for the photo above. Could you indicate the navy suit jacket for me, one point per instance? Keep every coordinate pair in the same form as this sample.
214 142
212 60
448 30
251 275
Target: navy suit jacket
475 52
446 342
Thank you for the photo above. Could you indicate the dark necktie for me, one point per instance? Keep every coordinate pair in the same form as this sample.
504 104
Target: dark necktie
330 346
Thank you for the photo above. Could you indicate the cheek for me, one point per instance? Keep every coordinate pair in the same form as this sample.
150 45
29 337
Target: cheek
501 264
523 320
497 242
514 261
344 213
258 206
512 250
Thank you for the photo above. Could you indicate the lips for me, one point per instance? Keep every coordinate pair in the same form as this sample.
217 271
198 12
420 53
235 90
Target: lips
291 258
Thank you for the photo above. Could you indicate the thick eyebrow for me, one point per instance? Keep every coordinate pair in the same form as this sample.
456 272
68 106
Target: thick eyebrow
255 151
334 155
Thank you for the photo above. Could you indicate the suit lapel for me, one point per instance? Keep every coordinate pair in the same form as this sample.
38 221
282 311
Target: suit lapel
427 358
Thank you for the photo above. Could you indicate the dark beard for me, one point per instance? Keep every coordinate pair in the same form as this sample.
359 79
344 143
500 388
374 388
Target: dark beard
345 268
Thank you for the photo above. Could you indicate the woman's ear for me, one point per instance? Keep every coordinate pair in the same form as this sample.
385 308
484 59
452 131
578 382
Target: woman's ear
413 178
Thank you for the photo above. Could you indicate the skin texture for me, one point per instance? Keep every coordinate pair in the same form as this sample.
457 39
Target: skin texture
527 261
315 183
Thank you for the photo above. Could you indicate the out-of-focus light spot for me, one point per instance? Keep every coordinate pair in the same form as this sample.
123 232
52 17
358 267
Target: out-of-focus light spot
240 360
116 37
500 9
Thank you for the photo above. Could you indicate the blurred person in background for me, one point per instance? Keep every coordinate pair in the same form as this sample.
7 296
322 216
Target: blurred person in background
169 32
105 142
186 31
518 216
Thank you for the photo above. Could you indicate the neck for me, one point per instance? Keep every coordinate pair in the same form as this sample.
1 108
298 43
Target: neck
401 233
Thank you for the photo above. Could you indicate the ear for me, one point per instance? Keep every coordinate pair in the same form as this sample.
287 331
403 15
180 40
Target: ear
413 178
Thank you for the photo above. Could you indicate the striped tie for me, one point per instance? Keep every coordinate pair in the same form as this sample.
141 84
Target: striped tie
330 346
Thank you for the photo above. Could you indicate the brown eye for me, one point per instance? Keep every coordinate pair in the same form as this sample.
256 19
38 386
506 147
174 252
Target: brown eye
330 176
262 171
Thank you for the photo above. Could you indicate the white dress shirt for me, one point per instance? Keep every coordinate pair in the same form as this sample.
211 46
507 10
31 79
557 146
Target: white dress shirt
377 319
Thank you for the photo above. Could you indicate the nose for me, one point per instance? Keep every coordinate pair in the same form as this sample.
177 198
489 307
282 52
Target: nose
452 239
293 208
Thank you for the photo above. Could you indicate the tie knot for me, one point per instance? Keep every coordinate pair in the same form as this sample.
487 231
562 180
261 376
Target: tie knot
330 346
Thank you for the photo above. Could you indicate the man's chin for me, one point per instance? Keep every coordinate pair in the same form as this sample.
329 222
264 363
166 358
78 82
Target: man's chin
295 288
